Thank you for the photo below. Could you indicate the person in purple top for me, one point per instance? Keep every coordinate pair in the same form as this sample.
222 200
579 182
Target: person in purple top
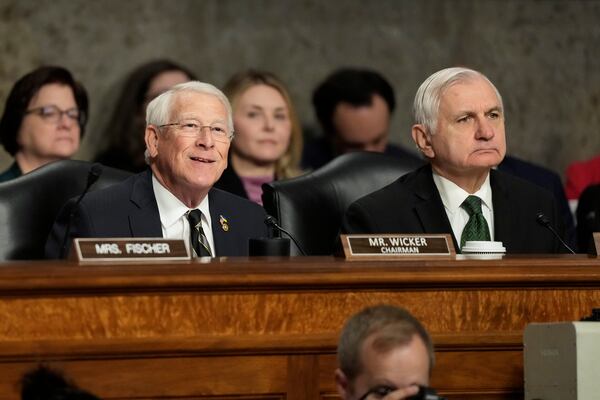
268 138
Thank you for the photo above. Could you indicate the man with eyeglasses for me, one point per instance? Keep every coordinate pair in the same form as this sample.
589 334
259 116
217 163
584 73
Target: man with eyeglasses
384 353
188 133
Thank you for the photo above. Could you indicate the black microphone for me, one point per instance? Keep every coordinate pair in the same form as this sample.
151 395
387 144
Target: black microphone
545 221
272 223
93 175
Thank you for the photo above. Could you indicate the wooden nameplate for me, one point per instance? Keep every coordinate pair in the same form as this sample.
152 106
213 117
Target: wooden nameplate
129 249
596 249
397 246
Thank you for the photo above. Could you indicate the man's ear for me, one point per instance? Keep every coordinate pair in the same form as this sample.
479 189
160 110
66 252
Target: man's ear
423 140
151 139
342 384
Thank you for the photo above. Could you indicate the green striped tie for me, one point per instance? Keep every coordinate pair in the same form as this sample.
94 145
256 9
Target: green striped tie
476 227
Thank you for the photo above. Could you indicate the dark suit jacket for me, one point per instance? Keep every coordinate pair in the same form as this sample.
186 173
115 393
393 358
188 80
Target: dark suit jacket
547 179
412 204
129 209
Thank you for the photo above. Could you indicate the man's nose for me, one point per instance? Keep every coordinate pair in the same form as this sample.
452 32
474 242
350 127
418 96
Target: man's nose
205 137
485 129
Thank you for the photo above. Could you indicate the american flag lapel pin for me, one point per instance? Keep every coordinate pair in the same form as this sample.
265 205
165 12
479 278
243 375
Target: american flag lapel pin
224 223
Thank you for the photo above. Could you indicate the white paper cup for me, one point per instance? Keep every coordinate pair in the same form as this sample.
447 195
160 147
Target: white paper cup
483 249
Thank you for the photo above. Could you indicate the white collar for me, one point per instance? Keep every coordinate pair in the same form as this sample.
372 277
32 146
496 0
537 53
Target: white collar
171 209
453 195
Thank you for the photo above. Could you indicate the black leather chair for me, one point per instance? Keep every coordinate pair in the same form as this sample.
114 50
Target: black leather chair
588 218
29 204
311 206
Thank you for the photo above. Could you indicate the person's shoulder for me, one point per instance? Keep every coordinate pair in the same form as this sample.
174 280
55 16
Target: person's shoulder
119 191
527 168
517 184
11 173
399 190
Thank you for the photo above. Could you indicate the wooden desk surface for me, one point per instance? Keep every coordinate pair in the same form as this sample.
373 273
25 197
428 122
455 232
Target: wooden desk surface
267 328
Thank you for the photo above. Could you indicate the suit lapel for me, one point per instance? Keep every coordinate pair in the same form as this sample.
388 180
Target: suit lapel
144 219
501 199
220 235
429 207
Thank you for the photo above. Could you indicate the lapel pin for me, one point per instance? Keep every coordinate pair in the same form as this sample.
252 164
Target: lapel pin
224 223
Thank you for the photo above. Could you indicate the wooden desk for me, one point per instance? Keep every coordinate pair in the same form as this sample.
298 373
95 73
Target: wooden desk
267 329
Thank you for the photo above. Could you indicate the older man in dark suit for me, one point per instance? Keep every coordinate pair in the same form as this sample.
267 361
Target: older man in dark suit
188 133
459 128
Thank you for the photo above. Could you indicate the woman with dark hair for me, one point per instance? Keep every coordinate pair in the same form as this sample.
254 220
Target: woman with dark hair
268 138
125 130
43 120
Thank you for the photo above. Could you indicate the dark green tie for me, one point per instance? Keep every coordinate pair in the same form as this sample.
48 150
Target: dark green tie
476 227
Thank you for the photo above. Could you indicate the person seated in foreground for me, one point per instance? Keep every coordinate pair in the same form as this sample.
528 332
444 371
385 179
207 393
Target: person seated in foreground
354 108
43 383
383 353
268 138
43 120
188 133
459 128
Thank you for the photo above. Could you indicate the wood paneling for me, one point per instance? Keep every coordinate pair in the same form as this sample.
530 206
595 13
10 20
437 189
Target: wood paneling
267 328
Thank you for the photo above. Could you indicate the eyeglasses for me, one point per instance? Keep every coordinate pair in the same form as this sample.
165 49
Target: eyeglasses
193 129
53 114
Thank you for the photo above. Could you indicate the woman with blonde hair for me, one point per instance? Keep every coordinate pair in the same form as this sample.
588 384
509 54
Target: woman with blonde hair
268 139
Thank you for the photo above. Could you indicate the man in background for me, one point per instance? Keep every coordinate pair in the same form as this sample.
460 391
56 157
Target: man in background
354 108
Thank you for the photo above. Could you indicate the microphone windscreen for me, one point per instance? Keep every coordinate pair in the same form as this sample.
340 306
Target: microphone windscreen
271 221
542 219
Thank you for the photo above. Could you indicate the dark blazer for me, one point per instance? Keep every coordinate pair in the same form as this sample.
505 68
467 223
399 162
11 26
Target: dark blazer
412 204
547 179
129 209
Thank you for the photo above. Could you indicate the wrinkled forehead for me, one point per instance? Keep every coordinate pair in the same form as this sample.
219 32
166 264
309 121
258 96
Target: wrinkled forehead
472 80
190 103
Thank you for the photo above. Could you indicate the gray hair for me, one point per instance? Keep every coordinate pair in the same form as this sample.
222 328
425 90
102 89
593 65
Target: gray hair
159 109
427 100
393 326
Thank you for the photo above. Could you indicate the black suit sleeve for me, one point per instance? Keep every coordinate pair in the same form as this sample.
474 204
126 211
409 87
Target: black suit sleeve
357 220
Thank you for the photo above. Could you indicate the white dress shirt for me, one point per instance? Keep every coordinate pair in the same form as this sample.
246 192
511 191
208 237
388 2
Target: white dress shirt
453 196
173 218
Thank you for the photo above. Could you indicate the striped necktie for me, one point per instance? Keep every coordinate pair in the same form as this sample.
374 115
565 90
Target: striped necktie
198 238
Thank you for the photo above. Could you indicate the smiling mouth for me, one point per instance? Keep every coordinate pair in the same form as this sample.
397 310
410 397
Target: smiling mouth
203 160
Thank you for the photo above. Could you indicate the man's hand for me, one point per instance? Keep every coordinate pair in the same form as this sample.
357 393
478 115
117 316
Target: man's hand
403 393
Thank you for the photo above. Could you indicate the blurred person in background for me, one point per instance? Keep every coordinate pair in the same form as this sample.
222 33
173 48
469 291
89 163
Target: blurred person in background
125 130
354 108
268 139
43 120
